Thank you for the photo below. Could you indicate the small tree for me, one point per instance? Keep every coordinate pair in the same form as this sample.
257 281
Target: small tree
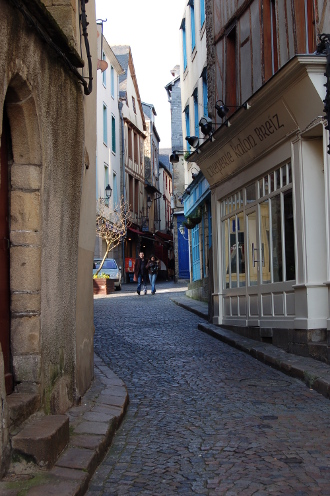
111 225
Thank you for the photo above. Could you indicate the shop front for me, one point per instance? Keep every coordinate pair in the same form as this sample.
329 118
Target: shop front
269 177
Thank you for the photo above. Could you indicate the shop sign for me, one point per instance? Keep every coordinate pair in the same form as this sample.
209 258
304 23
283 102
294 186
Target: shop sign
262 133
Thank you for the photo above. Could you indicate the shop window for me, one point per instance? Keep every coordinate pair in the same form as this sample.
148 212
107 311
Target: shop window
290 270
277 239
260 250
251 193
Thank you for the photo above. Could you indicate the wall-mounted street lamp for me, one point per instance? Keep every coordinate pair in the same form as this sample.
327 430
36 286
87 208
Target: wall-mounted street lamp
175 157
223 109
193 141
206 126
194 174
108 191
149 202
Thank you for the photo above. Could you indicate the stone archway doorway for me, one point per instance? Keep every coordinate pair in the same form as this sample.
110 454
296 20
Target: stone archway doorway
4 257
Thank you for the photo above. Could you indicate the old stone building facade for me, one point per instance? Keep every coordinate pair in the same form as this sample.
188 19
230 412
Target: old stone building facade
267 165
47 223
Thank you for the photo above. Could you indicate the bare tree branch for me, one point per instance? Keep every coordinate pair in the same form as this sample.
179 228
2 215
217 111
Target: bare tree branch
111 224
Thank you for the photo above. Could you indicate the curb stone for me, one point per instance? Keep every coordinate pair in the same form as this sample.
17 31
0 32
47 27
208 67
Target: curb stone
92 426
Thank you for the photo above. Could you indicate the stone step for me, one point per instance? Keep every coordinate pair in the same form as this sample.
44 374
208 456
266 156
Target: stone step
42 439
21 406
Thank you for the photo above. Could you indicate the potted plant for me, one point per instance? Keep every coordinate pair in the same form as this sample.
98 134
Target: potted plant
102 284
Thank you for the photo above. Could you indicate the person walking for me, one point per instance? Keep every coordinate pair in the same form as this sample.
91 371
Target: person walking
152 267
141 273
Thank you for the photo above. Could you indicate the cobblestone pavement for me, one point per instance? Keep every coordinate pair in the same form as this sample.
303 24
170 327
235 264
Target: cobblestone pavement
204 418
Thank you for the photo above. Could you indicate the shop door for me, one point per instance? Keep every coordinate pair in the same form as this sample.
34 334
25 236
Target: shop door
253 250
4 261
183 250
253 262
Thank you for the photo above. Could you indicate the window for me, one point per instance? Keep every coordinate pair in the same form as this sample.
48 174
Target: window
186 111
270 39
115 189
310 26
258 232
136 149
273 36
113 134
106 181
105 125
129 139
130 192
205 104
112 81
192 24
184 43
202 7
209 214
136 197
104 73
231 70
133 103
196 112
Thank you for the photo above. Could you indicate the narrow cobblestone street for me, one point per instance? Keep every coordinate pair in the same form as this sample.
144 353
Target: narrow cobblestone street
203 418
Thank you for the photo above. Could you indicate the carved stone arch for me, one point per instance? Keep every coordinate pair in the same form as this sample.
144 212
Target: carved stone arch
25 174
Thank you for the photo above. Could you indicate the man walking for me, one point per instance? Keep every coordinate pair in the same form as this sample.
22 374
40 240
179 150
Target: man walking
141 273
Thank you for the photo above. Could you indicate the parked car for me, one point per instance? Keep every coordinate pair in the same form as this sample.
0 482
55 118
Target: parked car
111 268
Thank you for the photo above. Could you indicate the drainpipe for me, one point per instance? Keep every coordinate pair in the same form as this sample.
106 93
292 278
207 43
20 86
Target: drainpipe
122 166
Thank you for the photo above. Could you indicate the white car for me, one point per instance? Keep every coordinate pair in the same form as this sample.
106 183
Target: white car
110 268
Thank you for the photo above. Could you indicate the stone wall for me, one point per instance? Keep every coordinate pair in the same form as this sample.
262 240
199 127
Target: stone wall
45 106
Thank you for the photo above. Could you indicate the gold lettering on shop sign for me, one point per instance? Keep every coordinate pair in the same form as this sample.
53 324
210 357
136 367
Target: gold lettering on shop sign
240 147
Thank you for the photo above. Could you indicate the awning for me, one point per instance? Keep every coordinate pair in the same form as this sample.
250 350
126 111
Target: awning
142 234
135 231
167 237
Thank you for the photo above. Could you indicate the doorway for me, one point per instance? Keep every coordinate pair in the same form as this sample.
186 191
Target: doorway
5 256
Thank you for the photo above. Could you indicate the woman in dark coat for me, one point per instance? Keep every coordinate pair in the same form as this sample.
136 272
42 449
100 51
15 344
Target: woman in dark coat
152 267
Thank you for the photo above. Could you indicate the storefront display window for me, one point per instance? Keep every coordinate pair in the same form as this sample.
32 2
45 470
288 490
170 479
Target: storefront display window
269 256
